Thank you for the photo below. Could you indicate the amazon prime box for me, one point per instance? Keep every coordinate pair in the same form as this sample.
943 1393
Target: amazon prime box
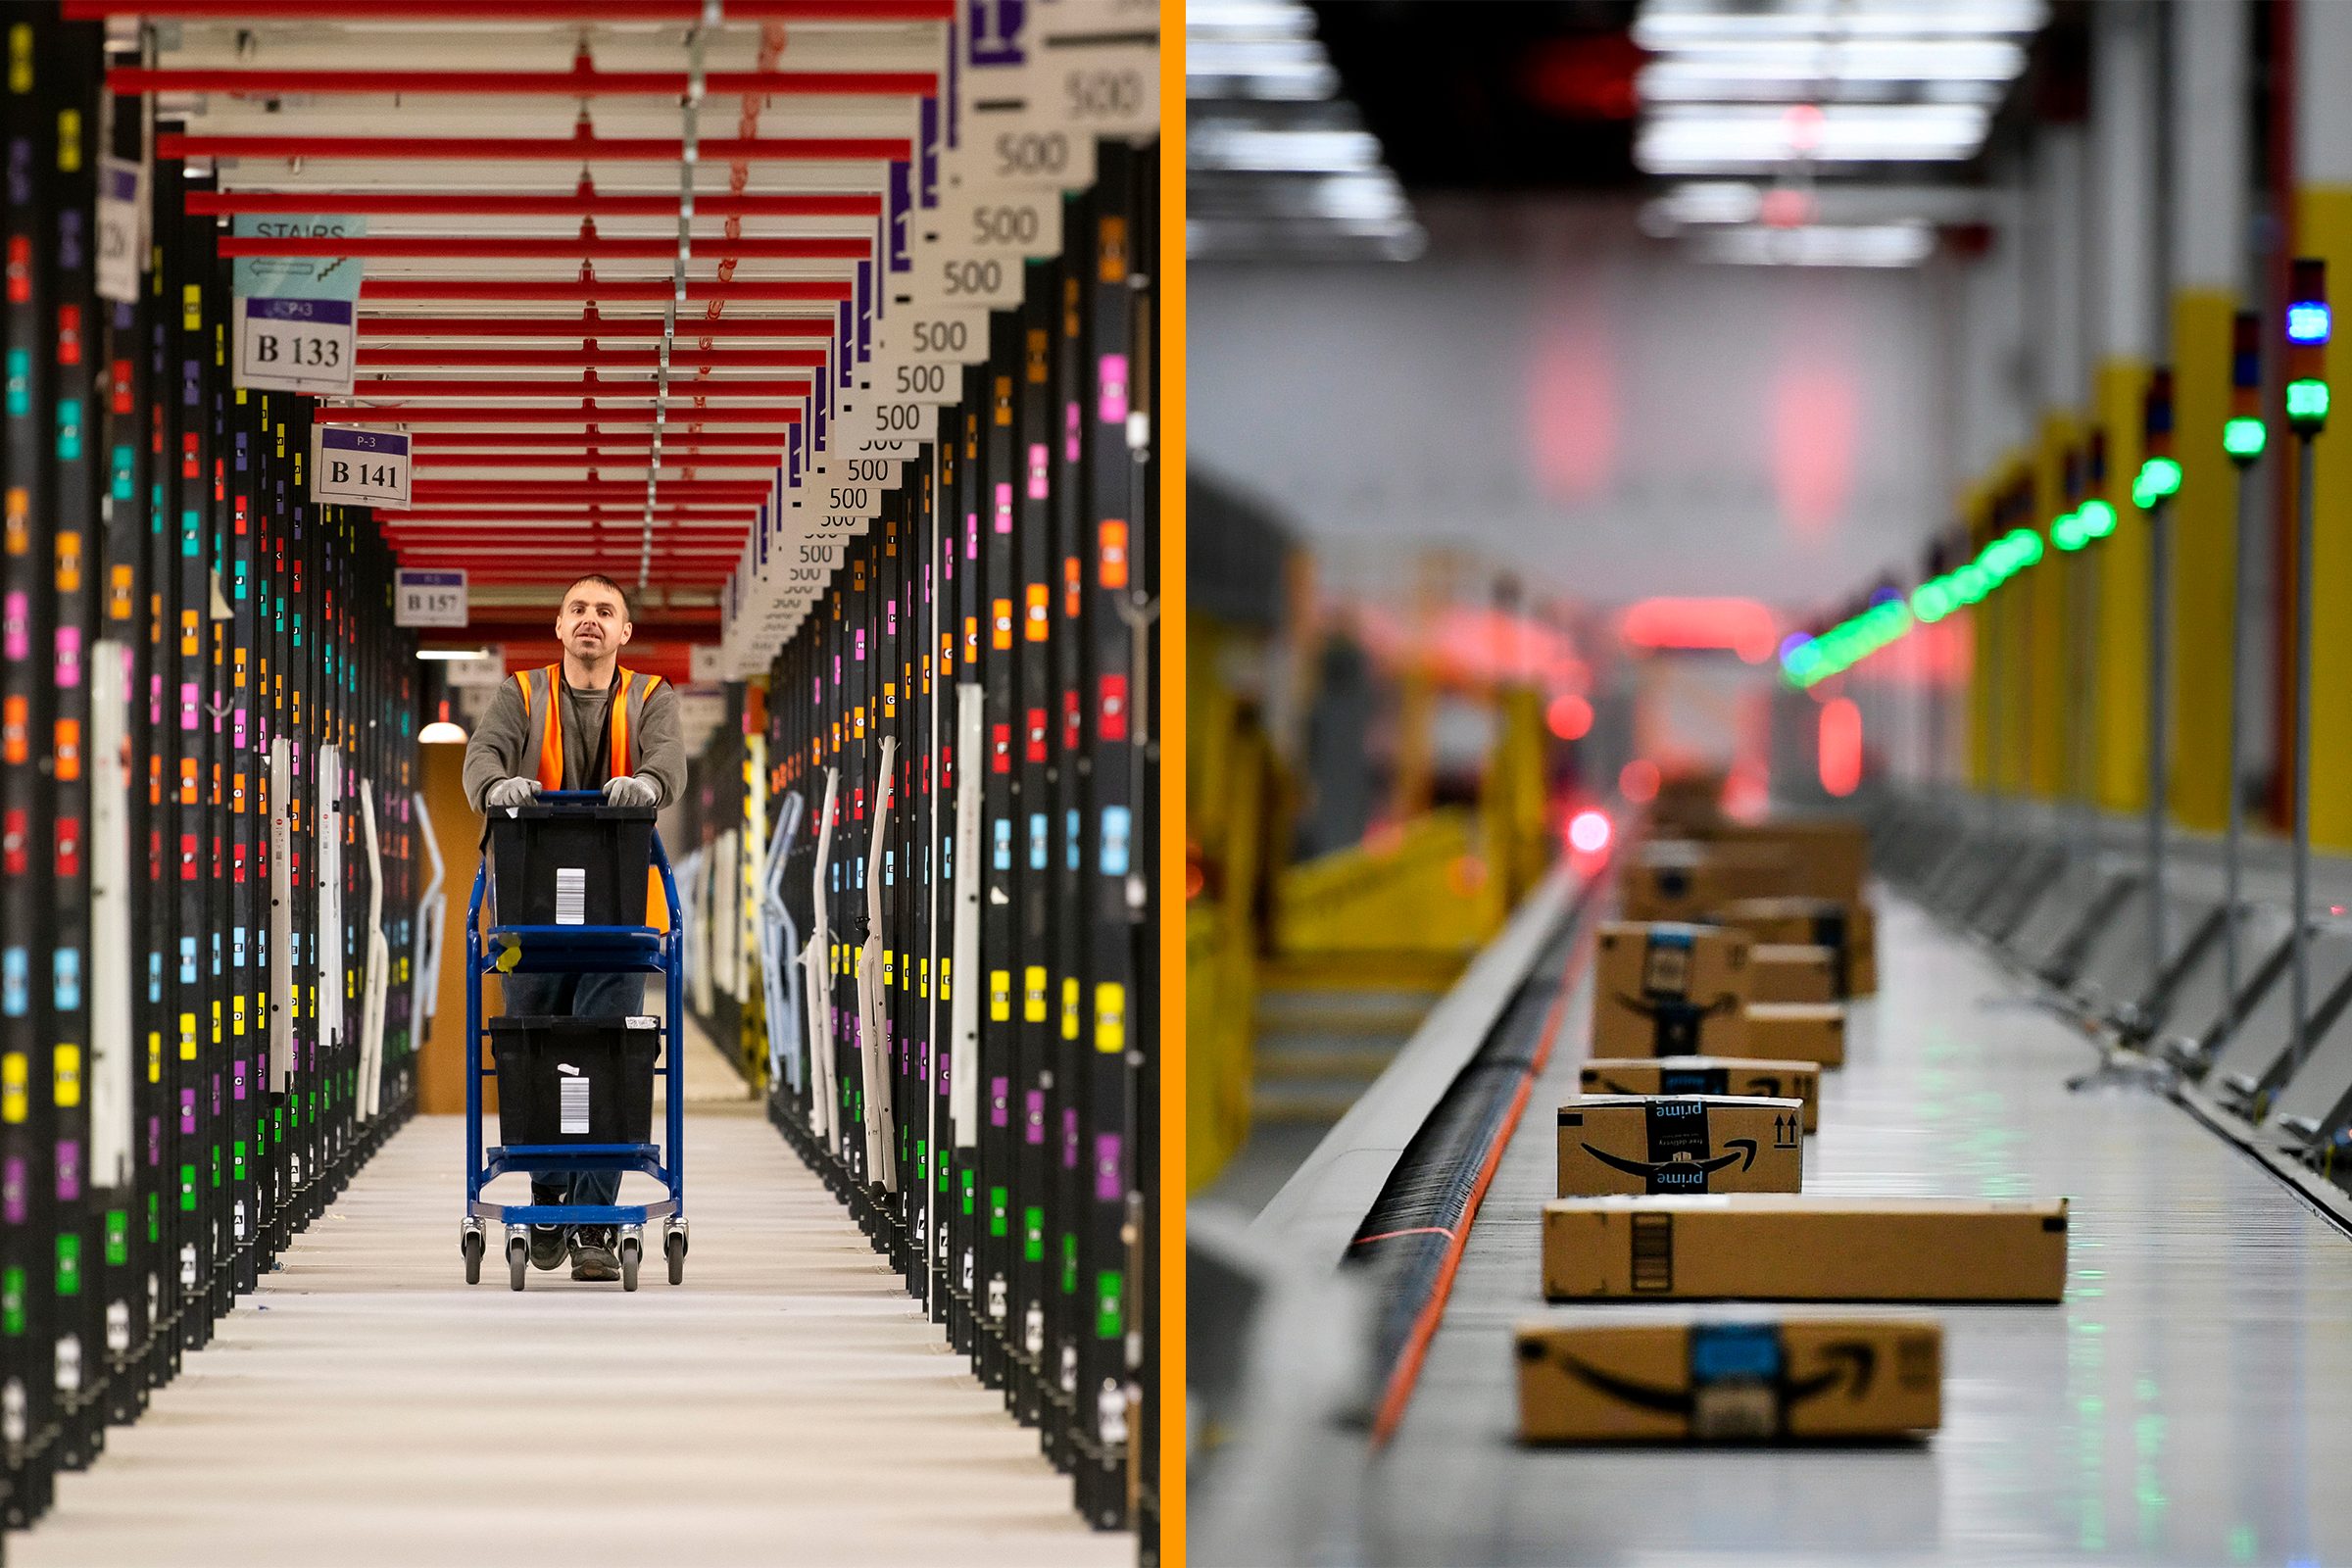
1792 972
1746 1078
1680 1143
1800 1247
1621 1377
1662 989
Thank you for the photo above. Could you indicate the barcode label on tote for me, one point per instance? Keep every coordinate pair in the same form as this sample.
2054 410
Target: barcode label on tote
571 1112
572 894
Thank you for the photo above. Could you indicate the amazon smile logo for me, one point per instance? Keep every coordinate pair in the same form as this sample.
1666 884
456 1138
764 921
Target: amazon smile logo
1850 1364
1683 1172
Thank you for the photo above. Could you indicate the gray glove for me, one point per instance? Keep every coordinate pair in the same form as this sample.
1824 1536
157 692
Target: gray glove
631 789
512 792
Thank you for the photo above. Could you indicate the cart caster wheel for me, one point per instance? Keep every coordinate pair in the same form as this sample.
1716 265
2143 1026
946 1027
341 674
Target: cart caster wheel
630 1249
518 1263
471 1246
674 1244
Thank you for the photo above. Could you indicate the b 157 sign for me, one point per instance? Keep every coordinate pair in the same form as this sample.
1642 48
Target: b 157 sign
428 598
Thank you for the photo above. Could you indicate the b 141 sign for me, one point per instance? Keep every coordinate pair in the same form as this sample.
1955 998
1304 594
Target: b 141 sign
364 467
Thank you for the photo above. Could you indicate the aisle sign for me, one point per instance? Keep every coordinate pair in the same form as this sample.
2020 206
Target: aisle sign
296 345
297 277
363 467
121 228
488 669
428 598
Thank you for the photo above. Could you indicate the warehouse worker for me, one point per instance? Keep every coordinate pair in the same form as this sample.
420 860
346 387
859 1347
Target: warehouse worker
583 723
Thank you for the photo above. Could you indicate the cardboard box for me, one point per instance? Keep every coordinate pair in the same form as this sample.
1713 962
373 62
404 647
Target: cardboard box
1666 990
1680 1143
1793 1031
1688 804
1707 1075
1633 1377
1687 879
1804 1247
1850 930
1825 856
1779 971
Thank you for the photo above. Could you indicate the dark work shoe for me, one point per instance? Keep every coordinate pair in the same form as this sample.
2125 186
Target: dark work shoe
592 1254
548 1247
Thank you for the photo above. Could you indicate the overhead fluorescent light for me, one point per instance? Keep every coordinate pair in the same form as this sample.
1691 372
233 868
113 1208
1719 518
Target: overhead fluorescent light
1665 25
1862 245
1269 151
1262 68
452 654
1950 59
1732 137
1704 203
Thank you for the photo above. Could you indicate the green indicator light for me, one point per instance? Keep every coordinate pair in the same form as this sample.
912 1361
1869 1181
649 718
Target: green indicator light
69 1264
1110 1289
2243 437
12 1301
117 1236
2096 516
2307 402
2067 533
2159 478
1931 600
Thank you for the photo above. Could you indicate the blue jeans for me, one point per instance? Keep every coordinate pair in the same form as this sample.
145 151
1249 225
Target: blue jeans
577 995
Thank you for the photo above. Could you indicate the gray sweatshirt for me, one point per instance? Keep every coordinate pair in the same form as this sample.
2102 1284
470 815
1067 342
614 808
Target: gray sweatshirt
506 746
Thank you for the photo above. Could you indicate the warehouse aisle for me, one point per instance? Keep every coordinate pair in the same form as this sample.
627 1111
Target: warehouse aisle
2190 1402
788 1403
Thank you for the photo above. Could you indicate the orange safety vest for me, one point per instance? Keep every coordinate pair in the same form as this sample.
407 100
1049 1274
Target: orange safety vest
539 689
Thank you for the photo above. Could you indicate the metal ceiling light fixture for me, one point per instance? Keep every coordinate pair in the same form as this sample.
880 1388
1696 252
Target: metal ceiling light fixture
1278 165
1798 91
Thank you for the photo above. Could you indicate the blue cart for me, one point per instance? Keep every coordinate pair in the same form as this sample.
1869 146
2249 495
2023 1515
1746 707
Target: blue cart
565 950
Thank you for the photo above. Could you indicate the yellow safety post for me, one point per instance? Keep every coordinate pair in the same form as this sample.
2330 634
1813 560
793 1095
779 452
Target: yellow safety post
2324 229
2204 558
2044 677
1983 750
2120 771
1512 800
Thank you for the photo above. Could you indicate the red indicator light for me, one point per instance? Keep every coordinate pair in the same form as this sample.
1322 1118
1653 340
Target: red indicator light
1589 832
1569 716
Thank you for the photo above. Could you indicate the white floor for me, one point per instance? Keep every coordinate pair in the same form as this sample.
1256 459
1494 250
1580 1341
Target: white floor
787 1405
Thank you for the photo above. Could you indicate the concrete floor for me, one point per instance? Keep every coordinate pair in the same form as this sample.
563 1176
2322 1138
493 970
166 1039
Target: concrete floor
2187 1403
368 1408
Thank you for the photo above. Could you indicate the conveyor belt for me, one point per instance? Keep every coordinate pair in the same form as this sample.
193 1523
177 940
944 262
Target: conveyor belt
2178 1408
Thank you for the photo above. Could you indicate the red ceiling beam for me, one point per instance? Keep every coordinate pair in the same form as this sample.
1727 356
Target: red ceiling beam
604 327
571 390
563 10
622 460
555 149
518 204
556 248
627 419
798 289
644 361
581 490
665 516
574 84
622 443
